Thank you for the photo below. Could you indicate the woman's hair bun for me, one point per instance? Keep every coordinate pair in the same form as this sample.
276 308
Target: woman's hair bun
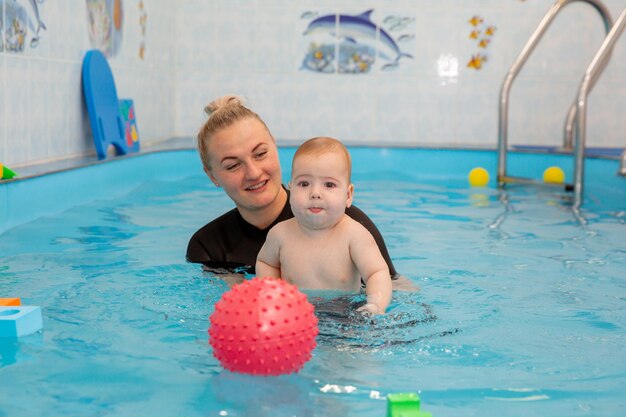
224 101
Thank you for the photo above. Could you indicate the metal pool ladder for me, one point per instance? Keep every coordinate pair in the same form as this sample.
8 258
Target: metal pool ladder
594 67
591 76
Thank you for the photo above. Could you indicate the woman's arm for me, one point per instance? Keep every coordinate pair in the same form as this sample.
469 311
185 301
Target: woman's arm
230 278
399 282
358 215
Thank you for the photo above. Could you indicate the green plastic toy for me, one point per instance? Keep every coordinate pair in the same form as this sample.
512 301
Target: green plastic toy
405 405
6 172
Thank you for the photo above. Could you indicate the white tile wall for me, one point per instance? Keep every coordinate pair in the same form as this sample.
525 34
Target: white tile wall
38 94
3 115
17 111
416 104
198 50
58 118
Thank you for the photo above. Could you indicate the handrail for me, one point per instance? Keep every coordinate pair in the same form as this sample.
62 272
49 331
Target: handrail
517 66
570 119
581 113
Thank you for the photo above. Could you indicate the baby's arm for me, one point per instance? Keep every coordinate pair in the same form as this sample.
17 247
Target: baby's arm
373 269
268 261
378 289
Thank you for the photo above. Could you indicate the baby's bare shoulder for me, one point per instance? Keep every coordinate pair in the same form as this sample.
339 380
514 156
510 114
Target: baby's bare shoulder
281 228
355 227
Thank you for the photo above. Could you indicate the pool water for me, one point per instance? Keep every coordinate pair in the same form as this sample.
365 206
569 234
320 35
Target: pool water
521 312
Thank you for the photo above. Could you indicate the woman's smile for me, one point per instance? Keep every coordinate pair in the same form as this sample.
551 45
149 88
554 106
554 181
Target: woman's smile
257 187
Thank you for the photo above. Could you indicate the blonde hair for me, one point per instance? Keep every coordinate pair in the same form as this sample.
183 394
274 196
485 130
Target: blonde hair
223 112
321 145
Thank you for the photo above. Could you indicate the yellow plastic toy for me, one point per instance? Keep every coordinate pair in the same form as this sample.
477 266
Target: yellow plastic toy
6 173
554 175
478 177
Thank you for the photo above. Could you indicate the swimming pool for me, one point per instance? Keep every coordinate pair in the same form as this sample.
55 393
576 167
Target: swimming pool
522 309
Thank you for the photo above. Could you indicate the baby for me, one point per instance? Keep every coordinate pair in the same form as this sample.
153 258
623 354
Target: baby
321 247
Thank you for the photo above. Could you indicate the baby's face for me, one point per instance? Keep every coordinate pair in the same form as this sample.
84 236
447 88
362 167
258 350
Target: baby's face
320 190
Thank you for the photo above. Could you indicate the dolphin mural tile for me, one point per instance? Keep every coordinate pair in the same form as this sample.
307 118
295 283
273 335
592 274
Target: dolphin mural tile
20 24
320 44
352 43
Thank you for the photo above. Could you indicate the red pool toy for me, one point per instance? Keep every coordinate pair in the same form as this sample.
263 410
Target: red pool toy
264 326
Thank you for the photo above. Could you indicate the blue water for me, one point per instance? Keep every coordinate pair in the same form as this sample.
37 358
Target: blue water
522 308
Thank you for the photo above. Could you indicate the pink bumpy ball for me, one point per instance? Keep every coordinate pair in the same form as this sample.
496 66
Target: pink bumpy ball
264 326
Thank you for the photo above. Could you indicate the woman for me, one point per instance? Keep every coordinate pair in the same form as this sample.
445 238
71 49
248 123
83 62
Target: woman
240 155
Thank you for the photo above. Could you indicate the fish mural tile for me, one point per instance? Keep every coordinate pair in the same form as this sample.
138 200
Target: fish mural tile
319 40
481 34
357 51
143 23
397 28
21 25
355 42
105 25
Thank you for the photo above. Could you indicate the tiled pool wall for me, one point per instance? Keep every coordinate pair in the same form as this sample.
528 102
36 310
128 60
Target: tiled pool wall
172 58
24 200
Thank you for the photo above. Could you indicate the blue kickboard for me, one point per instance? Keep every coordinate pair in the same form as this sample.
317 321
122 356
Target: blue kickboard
102 104
17 321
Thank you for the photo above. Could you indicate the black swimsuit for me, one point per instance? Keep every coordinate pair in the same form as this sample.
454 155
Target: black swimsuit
229 243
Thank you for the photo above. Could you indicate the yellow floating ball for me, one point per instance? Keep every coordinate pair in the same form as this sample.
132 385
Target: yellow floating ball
478 177
554 175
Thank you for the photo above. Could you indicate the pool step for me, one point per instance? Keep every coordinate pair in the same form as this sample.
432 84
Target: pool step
529 181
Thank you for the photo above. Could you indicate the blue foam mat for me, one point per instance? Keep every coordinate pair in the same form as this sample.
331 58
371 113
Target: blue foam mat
102 104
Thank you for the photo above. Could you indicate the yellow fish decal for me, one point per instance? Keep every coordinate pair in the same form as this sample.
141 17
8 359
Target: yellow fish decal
477 61
475 20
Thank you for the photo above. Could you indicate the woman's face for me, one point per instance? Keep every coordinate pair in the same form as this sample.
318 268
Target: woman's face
244 161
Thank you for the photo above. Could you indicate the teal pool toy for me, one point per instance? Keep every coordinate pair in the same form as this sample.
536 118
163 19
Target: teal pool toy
127 110
405 405
18 321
